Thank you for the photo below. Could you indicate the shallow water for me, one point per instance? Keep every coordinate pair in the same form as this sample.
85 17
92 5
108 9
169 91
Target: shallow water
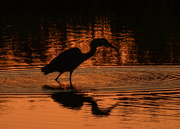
104 97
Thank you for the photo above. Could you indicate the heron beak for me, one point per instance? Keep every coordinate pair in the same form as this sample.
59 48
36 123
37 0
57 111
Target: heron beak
113 47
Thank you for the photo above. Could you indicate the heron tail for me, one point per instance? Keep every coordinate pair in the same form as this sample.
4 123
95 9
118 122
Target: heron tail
47 69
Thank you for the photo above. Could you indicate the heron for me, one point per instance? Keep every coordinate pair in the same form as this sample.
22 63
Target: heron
69 60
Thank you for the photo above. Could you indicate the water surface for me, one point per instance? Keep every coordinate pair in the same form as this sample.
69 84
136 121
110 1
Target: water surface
105 97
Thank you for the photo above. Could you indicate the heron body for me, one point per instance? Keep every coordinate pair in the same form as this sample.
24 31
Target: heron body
70 59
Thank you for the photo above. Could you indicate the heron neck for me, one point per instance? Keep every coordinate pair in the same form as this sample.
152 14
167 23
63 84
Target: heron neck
90 53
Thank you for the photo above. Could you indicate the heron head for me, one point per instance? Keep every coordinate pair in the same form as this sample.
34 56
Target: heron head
101 42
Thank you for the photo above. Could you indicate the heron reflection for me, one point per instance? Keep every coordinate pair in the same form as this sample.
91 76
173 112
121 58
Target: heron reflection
75 100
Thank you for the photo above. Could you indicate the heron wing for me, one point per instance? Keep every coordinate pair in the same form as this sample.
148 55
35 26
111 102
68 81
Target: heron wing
66 55
67 60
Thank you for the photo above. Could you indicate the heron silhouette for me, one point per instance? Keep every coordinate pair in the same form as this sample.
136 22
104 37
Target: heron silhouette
70 59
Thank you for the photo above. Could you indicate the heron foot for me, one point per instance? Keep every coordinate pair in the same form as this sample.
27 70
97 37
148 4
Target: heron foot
71 87
57 81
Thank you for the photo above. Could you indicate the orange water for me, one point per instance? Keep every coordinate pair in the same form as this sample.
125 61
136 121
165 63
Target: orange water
105 97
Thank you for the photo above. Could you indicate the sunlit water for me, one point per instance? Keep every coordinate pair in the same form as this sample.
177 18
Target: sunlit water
105 97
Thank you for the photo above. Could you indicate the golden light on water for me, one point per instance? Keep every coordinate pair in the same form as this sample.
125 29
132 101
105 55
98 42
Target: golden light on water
80 36
55 38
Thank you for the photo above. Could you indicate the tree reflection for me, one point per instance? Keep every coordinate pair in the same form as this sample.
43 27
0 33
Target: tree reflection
146 32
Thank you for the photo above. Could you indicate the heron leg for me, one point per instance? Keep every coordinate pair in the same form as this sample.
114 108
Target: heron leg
58 77
70 80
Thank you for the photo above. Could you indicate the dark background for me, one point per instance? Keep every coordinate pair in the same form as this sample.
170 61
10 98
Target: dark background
155 24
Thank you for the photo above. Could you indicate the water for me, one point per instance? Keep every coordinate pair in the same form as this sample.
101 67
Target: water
136 87
105 97
144 32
